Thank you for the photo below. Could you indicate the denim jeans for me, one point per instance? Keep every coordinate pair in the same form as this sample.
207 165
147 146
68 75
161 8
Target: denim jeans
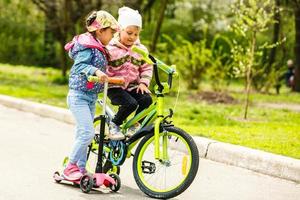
82 106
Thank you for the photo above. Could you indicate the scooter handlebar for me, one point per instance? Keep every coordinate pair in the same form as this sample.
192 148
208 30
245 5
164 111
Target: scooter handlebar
112 80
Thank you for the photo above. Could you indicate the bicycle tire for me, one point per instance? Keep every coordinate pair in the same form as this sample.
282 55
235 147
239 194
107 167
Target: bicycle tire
138 167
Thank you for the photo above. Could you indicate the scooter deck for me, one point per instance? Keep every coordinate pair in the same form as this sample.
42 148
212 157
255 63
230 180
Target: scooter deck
100 179
58 178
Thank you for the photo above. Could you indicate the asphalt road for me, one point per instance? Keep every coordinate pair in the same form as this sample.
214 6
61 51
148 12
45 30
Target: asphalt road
32 148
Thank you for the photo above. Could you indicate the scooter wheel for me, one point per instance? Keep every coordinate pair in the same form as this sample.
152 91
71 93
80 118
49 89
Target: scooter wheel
86 183
117 186
55 176
95 183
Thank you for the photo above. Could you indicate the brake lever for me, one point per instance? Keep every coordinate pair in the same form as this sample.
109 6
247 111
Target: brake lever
170 115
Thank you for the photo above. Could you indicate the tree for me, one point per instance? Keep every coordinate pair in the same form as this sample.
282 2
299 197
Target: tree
251 18
61 17
158 25
221 64
21 39
194 58
296 6
134 4
276 31
269 74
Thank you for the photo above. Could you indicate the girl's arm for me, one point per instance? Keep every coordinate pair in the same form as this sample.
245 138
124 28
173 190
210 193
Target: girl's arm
146 74
101 75
145 70
82 63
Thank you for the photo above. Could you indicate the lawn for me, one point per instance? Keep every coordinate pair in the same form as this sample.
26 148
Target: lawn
32 83
268 129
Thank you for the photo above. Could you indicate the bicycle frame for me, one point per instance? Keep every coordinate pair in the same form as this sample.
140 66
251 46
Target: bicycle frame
157 129
154 113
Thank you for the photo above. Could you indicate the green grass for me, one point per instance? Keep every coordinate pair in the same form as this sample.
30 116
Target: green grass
272 130
285 96
32 83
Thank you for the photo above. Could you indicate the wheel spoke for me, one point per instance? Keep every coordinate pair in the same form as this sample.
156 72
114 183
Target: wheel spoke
160 179
169 177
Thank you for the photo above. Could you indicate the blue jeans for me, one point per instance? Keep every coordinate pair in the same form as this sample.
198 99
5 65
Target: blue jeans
82 106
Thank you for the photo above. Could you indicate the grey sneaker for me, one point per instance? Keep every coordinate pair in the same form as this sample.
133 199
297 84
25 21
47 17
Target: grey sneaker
133 129
115 132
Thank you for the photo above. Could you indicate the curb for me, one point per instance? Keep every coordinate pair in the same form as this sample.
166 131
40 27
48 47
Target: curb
43 110
256 160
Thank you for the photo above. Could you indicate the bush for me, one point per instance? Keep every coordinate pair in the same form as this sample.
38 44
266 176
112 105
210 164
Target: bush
220 70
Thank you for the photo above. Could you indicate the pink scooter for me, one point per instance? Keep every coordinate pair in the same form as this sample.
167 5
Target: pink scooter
88 181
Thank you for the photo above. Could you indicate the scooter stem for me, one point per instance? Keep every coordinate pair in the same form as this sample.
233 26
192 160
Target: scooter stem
104 97
99 168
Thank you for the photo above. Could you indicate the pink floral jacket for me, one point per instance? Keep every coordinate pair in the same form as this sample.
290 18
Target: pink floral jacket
127 64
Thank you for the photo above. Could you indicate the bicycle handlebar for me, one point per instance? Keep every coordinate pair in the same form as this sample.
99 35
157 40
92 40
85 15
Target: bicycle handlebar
144 54
169 69
112 80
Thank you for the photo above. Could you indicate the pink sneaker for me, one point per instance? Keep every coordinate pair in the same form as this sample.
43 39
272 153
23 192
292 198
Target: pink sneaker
72 172
83 171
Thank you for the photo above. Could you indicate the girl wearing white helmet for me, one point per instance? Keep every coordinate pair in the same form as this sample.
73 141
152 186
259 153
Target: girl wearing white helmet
134 95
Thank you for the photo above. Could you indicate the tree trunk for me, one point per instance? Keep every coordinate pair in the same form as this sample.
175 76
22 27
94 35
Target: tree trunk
148 6
297 50
276 32
248 74
49 46
63 58
158 26
134 4
61 16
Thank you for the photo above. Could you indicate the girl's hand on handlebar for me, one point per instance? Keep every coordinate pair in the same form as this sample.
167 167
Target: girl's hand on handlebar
102 76
143 89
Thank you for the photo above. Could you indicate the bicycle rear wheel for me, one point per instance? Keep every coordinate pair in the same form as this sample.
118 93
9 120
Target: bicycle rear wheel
170 177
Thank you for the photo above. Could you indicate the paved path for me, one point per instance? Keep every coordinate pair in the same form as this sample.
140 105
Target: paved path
286 106
32 148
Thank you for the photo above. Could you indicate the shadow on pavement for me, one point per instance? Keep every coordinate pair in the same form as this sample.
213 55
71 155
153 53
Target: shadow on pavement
125 192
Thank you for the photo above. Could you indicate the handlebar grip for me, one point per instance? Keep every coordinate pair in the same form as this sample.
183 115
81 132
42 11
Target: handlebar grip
139 51
93 79
144 54
112 80
116 80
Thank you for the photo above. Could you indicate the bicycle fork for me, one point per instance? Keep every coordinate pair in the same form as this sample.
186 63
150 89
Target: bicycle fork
157 153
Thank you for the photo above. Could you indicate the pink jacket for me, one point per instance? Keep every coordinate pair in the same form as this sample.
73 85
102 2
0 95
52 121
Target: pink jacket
127 64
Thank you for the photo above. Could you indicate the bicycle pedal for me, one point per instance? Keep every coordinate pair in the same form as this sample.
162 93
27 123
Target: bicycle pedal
148 167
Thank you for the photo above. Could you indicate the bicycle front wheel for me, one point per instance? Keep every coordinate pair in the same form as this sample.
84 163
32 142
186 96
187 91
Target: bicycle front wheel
168 177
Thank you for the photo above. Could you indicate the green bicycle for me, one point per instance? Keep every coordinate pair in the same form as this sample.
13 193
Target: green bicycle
166 159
